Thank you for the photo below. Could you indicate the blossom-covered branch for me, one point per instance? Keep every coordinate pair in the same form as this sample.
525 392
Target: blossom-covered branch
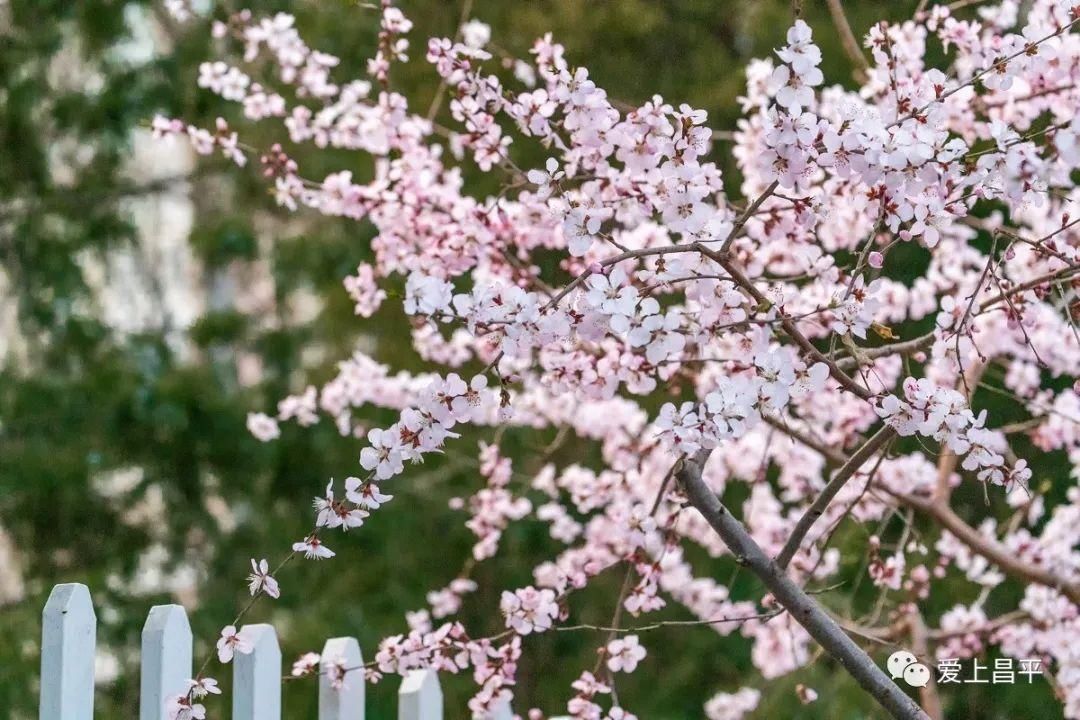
813 325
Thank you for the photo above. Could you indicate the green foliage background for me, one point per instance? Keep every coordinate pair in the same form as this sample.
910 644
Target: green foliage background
89 400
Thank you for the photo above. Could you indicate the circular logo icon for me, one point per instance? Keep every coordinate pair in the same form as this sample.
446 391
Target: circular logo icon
903 664
917 675
898 661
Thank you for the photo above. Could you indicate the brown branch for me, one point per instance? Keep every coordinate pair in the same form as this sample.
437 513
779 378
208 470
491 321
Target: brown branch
995 66
659 624
928 694
789 595
988 547
1059 274
821 503
901 348
925 341
890 634
436 101
740 279
740 223
988 104
847 40
834 456
990 627
984 546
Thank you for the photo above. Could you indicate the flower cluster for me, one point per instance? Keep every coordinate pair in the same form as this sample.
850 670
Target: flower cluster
614 293
943 414
449 649
529 610
186 706
735 405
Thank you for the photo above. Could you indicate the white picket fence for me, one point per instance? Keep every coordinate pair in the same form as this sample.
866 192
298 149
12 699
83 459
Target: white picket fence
68 637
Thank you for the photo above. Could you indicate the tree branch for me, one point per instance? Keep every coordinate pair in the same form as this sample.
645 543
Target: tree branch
925 341
848 41
985 547
901 348
740 279
802 607
740 223
988 547
928 693
821 503
783 425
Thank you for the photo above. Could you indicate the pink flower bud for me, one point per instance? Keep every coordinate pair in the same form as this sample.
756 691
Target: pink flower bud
876 259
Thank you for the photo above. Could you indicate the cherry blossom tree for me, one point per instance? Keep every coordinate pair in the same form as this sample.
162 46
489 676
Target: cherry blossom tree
699 333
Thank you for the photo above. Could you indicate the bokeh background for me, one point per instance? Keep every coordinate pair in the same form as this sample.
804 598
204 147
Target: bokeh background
150 299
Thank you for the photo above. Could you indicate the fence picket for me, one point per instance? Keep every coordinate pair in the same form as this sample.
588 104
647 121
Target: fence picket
420 696
345 702
257 676
68 640
166 660
68 637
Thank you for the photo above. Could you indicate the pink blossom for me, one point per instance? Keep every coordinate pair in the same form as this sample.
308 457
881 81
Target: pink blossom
260 579
313 548
624 654
230 642
625 306
305 664
529 610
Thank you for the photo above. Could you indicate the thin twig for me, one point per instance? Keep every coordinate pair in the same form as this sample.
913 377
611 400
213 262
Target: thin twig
804 610
821 503
988 547
847 41
436 101
740 223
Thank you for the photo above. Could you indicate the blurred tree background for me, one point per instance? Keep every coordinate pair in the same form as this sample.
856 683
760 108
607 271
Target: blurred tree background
149 301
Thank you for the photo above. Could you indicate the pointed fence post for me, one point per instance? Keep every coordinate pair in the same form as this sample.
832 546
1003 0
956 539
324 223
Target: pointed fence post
420 696
345 702
257 676
68 637
166 660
